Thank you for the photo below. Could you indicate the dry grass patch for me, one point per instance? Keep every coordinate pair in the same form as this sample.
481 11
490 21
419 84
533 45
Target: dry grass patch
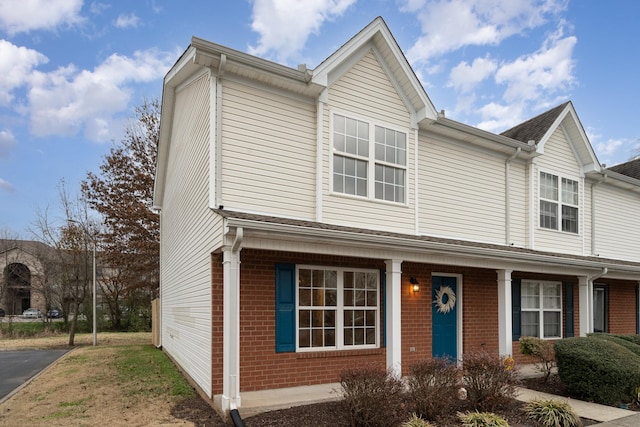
122 381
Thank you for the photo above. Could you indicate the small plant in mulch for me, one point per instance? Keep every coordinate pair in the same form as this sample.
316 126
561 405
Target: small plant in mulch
489 384
416 421
433 386
372 397
552 413
542 351
482 419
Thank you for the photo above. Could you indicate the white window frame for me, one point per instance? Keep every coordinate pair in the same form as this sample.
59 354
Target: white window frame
541 309
370 159
340 309
559 202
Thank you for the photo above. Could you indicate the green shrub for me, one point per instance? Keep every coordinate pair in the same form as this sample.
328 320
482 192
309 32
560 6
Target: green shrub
416 421
487 381
542 351
598 369
482 419
631 338
433 386
372 397
618 339
552 413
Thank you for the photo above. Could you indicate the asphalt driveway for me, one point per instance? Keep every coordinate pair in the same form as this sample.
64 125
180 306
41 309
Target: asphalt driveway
17 367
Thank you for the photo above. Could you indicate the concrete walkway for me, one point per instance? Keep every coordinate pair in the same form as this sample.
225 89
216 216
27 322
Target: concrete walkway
255 402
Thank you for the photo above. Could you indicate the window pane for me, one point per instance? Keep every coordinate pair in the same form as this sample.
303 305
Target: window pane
304 338
363 133
569 219
552 296
371 336
330 318
338 123
304 297
569 191
552 324
338 142
348 336
351 127
317 338
370 318
530 295
548 186
304 319
372 298
548 215
330 337
530 324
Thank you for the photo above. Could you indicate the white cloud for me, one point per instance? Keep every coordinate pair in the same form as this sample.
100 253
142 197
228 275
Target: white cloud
498 117
16 63
28 15
448 25
285 25
68 101
6 186
465 77
7 142
127 21
545 72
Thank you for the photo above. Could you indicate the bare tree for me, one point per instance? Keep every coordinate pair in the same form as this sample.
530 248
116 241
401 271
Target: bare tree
71 263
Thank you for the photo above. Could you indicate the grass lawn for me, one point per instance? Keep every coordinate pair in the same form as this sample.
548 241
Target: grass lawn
122 381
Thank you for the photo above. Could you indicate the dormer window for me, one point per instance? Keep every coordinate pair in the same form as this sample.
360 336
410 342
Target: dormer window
362 150
558 203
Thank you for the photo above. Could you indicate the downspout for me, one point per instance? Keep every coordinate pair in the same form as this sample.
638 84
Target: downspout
507 216
221 70
593 213
319 159
234 351
590 280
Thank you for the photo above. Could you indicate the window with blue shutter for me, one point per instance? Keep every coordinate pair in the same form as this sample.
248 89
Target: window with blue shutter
285 308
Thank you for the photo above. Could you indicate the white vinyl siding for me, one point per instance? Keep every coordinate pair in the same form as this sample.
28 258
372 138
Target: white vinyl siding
268 152
559 159
365 93
462 191
617 228
188 228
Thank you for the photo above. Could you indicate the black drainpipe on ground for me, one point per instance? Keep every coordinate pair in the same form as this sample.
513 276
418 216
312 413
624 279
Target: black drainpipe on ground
235 417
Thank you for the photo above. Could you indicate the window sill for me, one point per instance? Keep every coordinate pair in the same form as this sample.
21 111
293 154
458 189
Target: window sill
339 353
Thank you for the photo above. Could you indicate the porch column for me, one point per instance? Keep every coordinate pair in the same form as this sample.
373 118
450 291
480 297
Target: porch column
393 316
231 329
585 295
505 327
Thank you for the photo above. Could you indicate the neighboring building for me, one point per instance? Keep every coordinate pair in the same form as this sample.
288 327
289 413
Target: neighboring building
22 276
300 208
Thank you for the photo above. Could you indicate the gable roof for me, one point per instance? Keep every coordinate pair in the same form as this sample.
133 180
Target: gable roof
535 128
540 129
377 37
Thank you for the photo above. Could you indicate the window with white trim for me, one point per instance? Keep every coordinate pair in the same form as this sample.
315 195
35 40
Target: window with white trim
362 150
541 314
337 308
558 203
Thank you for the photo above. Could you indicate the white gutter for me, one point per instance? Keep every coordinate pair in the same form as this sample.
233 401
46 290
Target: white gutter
507 215
234 327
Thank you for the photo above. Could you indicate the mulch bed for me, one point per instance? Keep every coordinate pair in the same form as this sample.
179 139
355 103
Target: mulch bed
200 413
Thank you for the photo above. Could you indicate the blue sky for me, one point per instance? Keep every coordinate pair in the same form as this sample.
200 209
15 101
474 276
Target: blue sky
72 71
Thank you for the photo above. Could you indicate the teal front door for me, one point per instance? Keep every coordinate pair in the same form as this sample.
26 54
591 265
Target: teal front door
444 315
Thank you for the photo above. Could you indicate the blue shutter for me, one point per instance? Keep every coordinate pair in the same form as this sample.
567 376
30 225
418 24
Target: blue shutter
516 308
637 311
568 309
285 308
383 294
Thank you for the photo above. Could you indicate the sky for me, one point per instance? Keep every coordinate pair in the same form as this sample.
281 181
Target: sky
73 71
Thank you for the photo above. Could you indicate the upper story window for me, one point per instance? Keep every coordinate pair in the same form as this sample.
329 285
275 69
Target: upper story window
369 160
337 308
558 203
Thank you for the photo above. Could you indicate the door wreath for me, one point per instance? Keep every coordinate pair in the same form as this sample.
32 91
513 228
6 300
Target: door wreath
445 299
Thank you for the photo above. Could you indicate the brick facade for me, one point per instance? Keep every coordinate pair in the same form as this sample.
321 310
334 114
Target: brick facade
262 368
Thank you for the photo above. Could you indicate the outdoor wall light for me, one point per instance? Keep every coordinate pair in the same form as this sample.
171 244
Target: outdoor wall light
415 285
